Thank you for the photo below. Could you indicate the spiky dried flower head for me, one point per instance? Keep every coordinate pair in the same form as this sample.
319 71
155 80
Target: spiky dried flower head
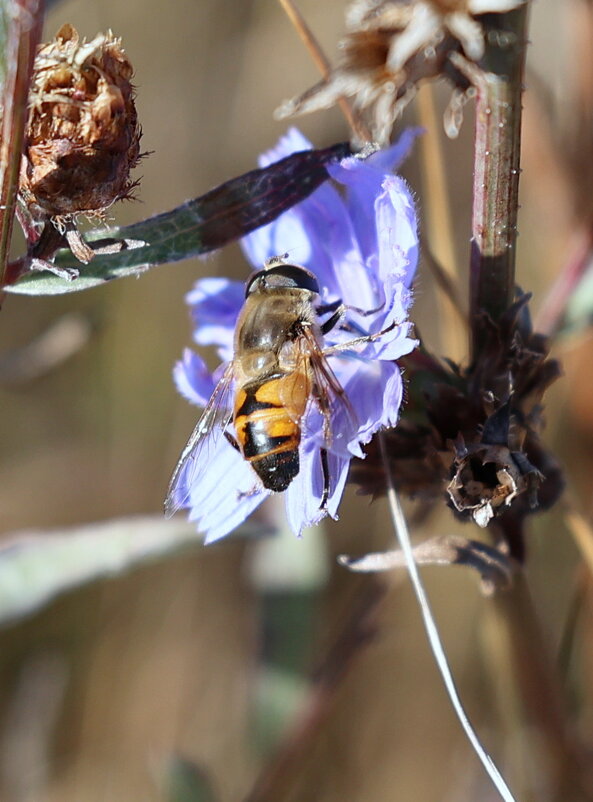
473 434
390 47
82 137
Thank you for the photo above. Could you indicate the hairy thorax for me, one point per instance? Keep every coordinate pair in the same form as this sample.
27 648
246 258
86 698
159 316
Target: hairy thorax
266 331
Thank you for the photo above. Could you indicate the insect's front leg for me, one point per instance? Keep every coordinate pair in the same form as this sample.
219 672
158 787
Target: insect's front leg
326 479
325 409
232 441
368 338
339 310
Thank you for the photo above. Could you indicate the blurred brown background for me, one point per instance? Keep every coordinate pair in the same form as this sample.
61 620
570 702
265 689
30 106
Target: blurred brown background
104 686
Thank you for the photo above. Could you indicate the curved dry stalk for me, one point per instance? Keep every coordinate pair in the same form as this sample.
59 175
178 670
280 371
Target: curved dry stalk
357 125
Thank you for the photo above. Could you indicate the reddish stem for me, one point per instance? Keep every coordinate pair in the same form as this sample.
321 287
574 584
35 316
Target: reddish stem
499 85
25 18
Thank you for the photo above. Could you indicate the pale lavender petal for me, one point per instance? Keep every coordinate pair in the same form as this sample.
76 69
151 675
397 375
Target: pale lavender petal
193 379
292 142
357 284
286 235
363 179
325 219
375 392
338 471
286 232
228 491
316 233
395 342
397 230
303 496
215 305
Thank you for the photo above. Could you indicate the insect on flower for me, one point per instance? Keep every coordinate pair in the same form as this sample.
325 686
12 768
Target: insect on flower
308 349
279 367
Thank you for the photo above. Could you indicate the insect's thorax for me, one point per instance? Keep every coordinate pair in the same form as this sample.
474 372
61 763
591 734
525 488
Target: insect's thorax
267 326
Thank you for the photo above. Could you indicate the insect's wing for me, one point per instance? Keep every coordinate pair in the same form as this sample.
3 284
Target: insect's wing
329 395
195 458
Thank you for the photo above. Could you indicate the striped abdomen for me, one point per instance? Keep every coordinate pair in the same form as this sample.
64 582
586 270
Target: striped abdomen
266 417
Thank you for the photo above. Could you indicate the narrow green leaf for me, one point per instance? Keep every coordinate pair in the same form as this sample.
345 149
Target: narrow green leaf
204 224
35 567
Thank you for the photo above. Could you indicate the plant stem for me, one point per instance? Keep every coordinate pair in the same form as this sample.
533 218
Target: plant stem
23 20
357 126
522 660
499 84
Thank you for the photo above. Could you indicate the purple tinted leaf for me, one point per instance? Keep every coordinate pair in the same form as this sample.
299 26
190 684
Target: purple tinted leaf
204 224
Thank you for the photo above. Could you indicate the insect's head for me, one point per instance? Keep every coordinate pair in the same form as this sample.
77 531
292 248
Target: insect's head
282 276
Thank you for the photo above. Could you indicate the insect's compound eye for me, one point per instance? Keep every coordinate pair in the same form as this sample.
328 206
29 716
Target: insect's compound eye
289 276
254 283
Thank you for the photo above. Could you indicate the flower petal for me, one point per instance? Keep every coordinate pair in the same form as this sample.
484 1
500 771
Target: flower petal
304 495
397 231
215 305
293 141
363 179
226 494
193 379
375 392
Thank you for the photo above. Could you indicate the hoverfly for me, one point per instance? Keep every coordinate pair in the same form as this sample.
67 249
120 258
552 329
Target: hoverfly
279 367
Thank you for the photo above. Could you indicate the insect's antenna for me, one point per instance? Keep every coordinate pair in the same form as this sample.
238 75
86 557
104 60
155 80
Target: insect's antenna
275 260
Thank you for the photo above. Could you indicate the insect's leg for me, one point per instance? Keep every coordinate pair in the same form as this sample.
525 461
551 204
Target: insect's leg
368 338
254 490
232 441
365 312
326 479
345 325
333 321
323 309
339 309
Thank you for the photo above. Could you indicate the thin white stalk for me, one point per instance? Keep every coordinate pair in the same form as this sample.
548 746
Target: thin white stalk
434 639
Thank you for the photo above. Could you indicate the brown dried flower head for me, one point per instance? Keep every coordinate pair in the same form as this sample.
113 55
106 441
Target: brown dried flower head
473 433
82 137
392 45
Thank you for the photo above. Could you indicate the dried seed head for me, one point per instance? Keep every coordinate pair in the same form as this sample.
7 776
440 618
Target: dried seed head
82 137
473 433
390 47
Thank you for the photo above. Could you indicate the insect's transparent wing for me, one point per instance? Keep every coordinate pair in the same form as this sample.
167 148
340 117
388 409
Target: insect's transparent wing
195 457
339 418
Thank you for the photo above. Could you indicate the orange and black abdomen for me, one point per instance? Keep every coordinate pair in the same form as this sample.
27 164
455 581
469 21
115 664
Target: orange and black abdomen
266 418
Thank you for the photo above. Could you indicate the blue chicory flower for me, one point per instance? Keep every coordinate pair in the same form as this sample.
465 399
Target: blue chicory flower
359 236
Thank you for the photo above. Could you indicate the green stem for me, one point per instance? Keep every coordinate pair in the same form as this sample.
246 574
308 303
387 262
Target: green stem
499 83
